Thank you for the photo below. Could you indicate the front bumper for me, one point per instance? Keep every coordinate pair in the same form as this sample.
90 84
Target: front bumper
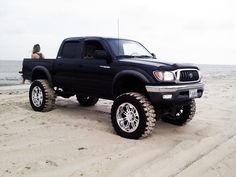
174 93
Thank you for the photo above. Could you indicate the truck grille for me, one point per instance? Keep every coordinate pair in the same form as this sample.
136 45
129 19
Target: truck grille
188 75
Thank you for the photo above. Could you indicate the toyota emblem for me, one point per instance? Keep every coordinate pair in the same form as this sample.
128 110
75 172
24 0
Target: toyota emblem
190 75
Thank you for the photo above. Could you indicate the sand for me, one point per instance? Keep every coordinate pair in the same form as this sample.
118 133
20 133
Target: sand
75 141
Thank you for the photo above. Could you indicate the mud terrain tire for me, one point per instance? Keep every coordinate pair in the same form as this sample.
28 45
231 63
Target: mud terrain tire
133 115
42 97
183 115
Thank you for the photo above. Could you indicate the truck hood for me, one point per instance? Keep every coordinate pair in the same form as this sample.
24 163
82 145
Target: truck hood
156 63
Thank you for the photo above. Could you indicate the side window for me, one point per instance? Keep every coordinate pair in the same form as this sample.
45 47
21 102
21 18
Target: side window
71 50
90 48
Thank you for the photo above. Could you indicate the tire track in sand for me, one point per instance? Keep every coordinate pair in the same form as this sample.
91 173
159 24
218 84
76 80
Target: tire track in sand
176 161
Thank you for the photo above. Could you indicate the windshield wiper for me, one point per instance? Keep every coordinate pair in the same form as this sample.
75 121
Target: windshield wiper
134 56
125 56
144 56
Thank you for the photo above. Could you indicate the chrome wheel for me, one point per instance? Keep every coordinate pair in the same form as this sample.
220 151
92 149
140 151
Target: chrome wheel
180 112
127 117
37 96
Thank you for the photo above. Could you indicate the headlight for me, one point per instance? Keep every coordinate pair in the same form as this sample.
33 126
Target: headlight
164 75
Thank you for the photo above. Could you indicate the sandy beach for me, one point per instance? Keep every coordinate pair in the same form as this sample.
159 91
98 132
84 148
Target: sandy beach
75 141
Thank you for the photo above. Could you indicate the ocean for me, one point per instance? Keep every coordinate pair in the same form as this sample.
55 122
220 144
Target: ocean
9 71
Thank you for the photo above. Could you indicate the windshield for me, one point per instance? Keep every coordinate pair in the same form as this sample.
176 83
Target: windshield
128 49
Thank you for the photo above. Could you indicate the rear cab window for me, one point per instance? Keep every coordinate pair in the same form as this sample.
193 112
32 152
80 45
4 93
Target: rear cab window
71 50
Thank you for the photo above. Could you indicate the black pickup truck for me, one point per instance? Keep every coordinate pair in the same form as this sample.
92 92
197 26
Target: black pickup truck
143 89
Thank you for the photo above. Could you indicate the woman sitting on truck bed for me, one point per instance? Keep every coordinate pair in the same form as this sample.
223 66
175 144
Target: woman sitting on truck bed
36 54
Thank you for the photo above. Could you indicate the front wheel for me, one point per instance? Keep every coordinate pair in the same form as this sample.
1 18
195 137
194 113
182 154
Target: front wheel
133 116
182 115
42 96
87 100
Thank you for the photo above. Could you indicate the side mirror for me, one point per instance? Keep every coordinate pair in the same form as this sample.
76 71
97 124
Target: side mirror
153 55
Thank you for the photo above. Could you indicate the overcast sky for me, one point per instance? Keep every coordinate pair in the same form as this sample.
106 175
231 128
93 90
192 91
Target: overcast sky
192 31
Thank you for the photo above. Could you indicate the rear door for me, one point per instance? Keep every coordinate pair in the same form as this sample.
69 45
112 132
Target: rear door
67 64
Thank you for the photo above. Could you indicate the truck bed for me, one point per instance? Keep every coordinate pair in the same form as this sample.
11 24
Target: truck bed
29 64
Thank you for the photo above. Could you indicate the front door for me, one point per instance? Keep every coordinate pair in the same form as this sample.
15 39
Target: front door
95 74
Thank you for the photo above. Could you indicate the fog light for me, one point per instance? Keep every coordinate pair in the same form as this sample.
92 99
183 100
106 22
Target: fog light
166 97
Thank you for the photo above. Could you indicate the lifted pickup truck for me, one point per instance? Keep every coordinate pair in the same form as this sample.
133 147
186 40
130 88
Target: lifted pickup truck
143 89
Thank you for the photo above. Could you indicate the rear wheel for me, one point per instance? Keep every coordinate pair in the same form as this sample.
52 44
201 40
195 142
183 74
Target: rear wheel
87 100
133 115
42 96
182 114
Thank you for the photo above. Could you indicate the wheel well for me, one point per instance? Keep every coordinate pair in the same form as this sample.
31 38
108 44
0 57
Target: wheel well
129 84
39 74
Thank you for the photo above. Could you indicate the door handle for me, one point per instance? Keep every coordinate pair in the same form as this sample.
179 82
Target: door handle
103 66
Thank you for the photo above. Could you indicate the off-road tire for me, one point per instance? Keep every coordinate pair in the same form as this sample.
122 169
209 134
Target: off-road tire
186 116
146 112
48 96
86 100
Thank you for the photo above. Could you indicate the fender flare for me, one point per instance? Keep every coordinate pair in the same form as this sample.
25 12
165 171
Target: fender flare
133 73
45 71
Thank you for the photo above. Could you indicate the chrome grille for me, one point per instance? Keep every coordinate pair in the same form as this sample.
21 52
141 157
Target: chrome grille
188 75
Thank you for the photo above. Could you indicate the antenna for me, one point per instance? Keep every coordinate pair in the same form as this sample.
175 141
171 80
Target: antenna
118 28
118 34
